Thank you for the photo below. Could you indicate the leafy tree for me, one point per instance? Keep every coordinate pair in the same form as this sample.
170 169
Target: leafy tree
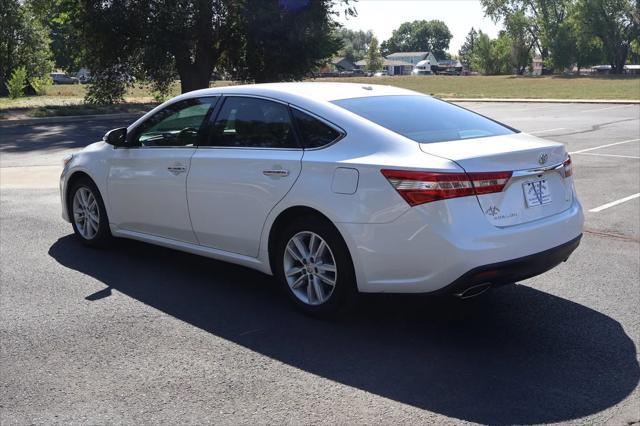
23 42
58 17
428 36
541 18
374 59
161 39
492 56
616 23
521 41
17 82
466 51
355 44
282 41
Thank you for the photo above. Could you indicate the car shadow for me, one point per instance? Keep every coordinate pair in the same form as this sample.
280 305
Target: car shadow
516 355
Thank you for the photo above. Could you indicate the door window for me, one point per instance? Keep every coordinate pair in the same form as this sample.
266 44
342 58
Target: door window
179 124
252 123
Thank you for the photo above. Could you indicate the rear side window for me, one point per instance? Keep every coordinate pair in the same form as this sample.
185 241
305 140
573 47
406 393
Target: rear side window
423 119
314 132
253 123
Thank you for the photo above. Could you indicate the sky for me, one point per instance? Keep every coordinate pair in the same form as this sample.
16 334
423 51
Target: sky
384 16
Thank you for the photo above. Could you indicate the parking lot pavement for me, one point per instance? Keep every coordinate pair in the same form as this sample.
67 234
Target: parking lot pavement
141 334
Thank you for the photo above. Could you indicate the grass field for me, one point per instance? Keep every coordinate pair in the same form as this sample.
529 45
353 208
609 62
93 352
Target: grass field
69 99
547 87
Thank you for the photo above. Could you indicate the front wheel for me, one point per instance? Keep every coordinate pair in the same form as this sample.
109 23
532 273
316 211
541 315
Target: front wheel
314 267
88 214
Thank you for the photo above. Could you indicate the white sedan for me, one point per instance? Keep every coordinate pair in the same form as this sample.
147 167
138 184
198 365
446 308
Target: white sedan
333 188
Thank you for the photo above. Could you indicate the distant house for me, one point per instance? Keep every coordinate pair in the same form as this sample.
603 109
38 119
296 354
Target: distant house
537 65
392 67
413 57
337 65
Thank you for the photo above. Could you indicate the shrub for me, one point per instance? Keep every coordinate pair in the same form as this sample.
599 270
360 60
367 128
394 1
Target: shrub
39 84
17 82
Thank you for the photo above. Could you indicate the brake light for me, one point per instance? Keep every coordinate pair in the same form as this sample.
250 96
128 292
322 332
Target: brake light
424 187
568 167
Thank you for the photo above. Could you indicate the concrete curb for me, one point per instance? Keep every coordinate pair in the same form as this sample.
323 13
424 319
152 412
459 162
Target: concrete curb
130 115
69 118
547 101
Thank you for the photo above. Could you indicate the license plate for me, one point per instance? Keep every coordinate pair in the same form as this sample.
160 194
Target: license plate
537 193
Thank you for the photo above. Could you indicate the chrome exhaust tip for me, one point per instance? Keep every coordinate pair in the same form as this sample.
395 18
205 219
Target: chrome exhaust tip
474 291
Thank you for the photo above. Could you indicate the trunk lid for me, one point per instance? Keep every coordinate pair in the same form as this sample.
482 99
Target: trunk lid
536 189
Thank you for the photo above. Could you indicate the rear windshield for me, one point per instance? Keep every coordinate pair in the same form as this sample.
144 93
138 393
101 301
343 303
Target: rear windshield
423 119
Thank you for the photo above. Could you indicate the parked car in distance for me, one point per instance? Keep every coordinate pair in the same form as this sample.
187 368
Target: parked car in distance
334 188
380 74
62 78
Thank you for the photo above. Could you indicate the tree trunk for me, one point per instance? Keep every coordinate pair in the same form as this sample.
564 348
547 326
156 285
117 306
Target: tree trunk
192 78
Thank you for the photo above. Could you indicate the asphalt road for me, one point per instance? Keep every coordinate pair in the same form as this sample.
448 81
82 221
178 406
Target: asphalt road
140 334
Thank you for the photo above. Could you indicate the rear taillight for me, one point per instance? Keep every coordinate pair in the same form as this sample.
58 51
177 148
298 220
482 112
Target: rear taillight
424 187
568 167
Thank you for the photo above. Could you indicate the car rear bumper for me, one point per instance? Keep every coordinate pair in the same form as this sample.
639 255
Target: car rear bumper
511 271
435 246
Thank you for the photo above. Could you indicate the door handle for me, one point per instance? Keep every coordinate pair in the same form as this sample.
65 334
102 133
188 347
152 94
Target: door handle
276 173
176 170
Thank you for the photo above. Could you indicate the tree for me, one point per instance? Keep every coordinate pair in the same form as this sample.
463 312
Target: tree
23 43
616 23
276 42
466 51
540 18
355 44
159 39
492 56
423 36
521 41
374 59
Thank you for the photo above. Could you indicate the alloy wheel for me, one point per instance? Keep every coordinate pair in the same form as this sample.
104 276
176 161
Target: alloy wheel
310 268
86 214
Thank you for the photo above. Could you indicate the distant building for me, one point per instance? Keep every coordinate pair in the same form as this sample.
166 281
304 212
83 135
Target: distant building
337 65
413 57
392 67
537 65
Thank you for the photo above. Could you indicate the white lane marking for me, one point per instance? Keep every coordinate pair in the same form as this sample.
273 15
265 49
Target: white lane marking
615 203
545 131
603 146
604 109
607 155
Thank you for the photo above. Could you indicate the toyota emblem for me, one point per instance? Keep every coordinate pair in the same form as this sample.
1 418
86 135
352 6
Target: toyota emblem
543 158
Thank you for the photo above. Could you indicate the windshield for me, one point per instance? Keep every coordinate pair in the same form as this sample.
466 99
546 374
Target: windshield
423 119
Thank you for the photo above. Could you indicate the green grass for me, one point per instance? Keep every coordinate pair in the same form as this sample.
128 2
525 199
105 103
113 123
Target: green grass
69 99
547 87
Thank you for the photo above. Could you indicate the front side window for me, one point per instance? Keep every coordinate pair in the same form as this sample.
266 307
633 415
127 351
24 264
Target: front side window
252 123
314 133
178 124
422 118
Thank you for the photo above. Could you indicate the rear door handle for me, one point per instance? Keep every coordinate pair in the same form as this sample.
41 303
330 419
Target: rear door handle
276 173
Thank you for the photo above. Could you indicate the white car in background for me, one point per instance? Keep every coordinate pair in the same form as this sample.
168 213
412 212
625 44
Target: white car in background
335 188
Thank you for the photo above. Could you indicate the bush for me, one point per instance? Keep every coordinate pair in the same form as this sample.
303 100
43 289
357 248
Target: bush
17 82
39 84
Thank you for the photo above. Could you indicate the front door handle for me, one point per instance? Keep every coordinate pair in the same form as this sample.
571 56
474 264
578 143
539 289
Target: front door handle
276 173
177 169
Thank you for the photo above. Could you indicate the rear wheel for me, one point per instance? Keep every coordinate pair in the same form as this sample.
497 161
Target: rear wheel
88 214
314 267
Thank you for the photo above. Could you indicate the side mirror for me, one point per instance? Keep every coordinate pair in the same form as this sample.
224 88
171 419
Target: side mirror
116 137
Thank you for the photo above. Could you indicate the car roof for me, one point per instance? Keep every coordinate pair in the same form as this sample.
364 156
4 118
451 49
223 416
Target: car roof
315 91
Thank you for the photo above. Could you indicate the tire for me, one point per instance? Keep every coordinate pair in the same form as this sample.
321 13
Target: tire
80 202
307 280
